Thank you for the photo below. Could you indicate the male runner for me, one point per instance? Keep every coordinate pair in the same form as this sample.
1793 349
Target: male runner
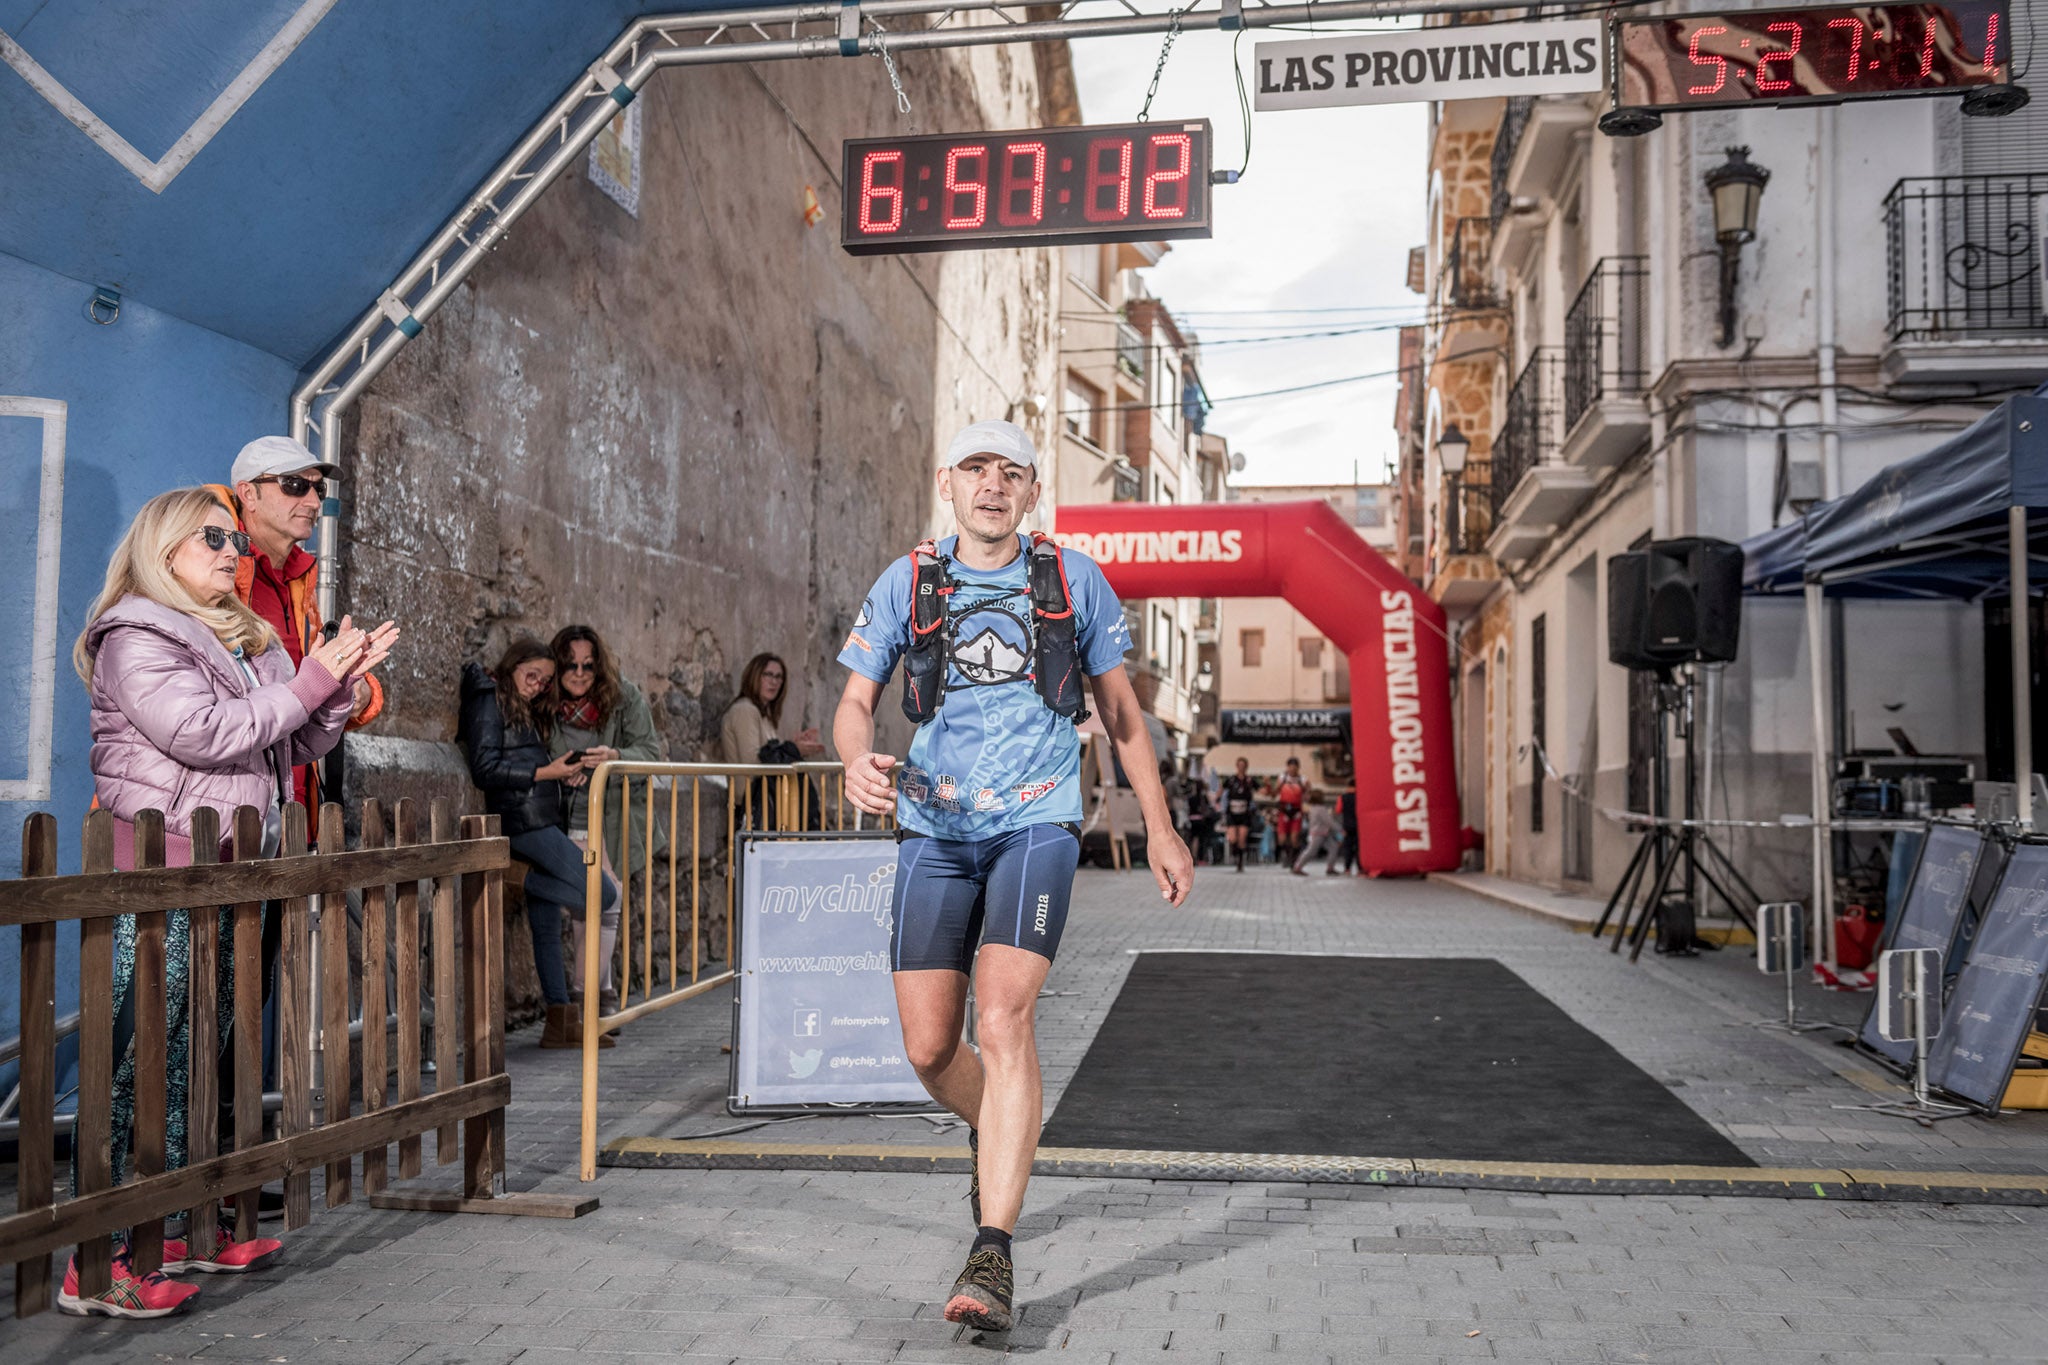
1238 794
989 806
1287 798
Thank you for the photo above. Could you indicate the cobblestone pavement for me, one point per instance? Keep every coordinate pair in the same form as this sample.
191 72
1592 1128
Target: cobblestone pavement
707 1266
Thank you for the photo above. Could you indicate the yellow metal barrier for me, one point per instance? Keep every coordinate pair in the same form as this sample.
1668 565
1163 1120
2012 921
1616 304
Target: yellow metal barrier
756 796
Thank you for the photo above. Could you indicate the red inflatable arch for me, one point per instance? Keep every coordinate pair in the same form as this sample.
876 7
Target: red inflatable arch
1392 634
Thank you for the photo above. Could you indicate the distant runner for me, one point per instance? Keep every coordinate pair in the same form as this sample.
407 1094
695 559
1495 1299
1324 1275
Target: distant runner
1239 793
995 631
1288 797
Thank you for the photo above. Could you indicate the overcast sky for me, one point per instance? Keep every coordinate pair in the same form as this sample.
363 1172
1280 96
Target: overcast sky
1323 221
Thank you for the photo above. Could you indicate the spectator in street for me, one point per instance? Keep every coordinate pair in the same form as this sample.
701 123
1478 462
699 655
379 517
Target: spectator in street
1325 835
1347 821
602 718
751 731
1201 829
506 717
1176 797
194 703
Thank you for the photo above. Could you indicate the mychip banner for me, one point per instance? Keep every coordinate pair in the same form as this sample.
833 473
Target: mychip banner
814 1010
1463 62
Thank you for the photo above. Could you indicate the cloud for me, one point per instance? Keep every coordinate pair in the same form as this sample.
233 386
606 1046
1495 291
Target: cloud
1330 204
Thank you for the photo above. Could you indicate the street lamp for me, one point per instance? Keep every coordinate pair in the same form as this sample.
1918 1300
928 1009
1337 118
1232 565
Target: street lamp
1737 186
1451 450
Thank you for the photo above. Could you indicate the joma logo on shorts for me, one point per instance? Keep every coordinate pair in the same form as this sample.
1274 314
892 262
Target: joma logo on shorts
1044 908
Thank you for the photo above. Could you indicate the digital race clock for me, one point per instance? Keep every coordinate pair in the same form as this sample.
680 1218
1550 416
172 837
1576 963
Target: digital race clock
1805 56
1137 182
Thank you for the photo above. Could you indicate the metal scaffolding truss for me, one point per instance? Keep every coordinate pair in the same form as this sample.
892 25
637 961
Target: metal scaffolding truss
771 33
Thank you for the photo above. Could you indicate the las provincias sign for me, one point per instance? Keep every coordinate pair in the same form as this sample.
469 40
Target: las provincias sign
1468 62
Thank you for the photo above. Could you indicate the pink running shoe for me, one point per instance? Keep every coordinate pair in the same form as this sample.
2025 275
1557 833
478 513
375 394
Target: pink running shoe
230 1258
132 1295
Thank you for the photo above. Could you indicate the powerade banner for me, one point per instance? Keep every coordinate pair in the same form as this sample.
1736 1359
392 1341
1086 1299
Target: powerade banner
815 1013
1305 725
1466 62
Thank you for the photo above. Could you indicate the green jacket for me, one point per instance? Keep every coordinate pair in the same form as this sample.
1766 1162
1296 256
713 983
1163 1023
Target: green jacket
630 730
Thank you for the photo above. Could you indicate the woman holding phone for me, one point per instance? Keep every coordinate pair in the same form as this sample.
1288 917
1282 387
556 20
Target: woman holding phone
604 717
507 715
195 703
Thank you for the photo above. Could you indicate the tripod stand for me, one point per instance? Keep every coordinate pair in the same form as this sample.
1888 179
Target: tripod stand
1663 849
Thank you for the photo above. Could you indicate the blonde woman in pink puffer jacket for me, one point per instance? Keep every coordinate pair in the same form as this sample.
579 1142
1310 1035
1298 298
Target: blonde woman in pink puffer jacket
194 703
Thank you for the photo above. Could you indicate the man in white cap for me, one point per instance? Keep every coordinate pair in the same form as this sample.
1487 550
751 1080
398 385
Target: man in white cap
276 487
995 631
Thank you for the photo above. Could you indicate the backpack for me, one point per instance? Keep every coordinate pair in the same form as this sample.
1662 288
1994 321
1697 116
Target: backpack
1055 636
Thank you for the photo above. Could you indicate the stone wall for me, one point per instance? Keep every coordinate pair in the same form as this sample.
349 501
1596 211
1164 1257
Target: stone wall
702 430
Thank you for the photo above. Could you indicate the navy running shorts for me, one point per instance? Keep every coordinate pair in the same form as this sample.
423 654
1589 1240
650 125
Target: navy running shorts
953 895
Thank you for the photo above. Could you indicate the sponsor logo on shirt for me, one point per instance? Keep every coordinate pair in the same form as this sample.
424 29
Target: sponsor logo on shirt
852 640
986 799
1031 791
947 789
867 613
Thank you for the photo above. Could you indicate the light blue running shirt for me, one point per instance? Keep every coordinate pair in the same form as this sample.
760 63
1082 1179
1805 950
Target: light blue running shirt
995 757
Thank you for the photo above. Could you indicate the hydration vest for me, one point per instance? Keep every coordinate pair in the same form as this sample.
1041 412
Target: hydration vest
1055 634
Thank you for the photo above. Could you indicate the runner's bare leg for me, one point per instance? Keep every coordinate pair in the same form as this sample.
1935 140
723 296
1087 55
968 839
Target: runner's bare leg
1007 981
933 1008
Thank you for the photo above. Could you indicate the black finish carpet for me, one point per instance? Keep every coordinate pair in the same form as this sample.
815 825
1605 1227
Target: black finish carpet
1422 1058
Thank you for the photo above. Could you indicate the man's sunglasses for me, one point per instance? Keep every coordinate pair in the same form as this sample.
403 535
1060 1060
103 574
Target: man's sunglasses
218 539
296 485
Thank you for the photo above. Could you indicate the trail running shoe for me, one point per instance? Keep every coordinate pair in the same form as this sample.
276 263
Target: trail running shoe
130 1296
981 1296
974 1175
229 1258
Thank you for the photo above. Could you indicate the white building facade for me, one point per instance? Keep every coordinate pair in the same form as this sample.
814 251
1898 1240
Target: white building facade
1891 294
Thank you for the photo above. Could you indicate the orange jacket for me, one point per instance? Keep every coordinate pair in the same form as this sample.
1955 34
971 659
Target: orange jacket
303 614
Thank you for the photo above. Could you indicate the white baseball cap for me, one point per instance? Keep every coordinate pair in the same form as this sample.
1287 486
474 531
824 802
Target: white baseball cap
992 437
267 456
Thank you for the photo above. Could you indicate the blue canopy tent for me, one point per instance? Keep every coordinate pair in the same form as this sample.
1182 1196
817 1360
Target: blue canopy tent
1964 521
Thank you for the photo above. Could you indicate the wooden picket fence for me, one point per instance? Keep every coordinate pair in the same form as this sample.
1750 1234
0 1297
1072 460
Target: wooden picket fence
436 901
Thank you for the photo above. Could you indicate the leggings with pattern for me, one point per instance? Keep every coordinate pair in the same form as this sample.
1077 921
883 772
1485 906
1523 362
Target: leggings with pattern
177 1035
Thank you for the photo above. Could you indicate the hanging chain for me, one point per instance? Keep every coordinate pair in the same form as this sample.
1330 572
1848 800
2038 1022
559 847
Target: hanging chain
1165 51
895 81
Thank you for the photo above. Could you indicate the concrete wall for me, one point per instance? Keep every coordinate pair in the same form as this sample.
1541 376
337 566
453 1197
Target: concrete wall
703 431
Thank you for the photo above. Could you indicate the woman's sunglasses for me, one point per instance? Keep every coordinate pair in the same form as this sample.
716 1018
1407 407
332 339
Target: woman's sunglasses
579 668
218 539
297 485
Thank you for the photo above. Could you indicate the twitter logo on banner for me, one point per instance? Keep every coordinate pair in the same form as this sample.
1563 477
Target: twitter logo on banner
802 1064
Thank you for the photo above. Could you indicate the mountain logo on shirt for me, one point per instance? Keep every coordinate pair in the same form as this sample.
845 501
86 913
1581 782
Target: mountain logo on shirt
989 658
867 613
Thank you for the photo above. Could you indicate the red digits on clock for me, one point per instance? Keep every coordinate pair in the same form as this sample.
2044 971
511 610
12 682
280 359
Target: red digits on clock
1763 63
1855 27
1033 183
1720 64
1172 179
1107 172
872 193
1991 45
1927 47
975 189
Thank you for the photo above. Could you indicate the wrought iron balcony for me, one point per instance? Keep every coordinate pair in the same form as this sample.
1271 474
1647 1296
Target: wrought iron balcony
1469 511
1514 120
1534 491
1530 431
1963 259
1603 336
1465 281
